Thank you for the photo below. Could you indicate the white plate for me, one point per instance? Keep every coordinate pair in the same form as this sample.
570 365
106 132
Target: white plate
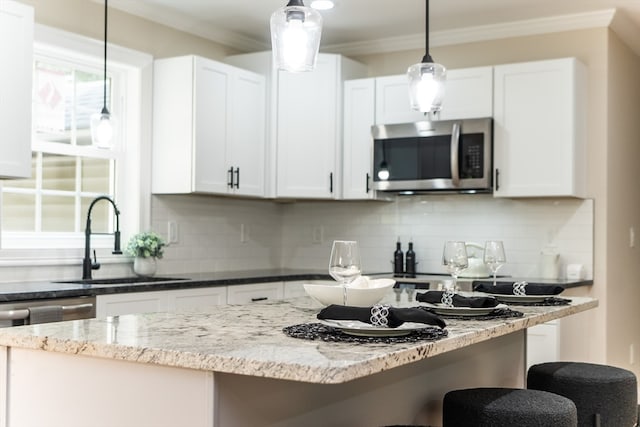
464 311
355 327
521 298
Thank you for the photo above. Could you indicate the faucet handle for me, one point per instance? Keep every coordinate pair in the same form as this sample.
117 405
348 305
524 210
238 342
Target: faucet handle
95 265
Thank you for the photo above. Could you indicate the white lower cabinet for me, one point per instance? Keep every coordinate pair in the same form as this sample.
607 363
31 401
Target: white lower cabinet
255 292
129 303
186 299
543 343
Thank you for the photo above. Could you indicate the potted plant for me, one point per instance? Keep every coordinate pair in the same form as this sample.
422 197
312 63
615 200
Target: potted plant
145 247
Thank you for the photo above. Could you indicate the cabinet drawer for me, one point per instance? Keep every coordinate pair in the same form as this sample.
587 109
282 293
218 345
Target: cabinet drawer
246 294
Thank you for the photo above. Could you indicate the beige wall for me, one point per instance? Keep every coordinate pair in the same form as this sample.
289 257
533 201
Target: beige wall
623 207
87 18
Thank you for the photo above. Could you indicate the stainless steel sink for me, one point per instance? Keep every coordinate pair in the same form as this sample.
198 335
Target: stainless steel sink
122 280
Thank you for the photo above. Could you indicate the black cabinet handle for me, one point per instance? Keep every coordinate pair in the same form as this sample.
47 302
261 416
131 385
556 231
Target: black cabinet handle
230 175
331 182
259 299
497 179
237 178
367 184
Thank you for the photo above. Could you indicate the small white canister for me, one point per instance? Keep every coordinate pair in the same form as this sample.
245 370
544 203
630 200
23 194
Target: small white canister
575 272
550 263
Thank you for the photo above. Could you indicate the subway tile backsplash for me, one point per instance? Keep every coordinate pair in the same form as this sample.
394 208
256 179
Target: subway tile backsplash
217 233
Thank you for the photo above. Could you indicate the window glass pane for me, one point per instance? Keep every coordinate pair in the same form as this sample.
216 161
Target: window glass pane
24 183
58 213
18 212
58 172
53 102
96 175
100 215
89 90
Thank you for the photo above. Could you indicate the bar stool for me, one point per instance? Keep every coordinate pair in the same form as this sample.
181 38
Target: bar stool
604 395
507 407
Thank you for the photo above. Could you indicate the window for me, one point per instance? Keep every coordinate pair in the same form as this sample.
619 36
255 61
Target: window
49 210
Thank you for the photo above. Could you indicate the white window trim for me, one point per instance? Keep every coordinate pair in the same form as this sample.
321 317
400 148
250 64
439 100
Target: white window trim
138 71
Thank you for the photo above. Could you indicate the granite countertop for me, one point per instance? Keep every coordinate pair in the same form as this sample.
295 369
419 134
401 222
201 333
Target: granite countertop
248 340
25 291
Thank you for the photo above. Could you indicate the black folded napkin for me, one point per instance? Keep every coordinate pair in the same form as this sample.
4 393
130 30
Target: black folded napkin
397 316
506 288
435 297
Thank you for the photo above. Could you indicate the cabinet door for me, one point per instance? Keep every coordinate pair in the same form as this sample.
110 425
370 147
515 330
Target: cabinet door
197 298
543 343
307 131
392 101
130 303
539 129
255 292
211 95
246 144
468 94
16 57
359 116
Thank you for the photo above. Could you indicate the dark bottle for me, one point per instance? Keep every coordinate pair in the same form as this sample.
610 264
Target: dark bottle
398 260
410 262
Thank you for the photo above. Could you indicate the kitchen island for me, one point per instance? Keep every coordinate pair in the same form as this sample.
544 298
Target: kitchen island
234 366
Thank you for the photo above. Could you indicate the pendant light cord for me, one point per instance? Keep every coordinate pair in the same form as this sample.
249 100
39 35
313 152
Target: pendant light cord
427 57
104 94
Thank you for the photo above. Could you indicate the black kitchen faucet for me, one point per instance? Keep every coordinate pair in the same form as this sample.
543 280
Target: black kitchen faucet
87 264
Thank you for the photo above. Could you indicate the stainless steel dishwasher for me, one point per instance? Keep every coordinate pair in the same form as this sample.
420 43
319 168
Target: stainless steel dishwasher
46 311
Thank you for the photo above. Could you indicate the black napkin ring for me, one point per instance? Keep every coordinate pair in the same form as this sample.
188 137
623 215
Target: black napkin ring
380 315
447 298
520 288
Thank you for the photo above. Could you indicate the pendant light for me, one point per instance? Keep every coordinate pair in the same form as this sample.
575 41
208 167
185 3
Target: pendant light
426 79
295 37
103 123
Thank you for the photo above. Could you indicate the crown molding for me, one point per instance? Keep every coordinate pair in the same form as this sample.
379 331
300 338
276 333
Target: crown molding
602 18
627 30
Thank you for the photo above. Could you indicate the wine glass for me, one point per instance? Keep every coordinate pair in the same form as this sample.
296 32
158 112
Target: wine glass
455 259
344 264
494 257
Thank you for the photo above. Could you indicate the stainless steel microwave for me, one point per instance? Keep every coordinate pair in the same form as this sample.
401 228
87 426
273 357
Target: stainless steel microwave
434 156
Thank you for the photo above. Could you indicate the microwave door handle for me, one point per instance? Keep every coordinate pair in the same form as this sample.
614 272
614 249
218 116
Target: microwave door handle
455 143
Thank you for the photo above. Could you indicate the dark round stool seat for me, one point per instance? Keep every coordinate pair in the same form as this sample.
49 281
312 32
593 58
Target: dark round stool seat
604 395
506 407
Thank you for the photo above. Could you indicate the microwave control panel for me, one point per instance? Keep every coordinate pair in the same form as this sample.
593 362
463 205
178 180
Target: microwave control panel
471 156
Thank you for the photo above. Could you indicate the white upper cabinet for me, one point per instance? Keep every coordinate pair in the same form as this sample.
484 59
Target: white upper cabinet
208 128
305 124
468 94
539 129
359 116
16 78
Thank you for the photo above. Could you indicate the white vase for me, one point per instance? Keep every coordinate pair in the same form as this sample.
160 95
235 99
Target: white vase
144 266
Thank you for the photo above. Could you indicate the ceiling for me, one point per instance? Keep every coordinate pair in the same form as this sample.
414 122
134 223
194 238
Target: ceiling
362 26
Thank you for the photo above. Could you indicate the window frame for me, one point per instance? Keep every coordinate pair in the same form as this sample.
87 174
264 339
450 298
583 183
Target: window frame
133 162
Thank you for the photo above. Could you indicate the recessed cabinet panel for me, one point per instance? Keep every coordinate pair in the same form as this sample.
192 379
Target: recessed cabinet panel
539 129
392 101
16 57
252 293
359 116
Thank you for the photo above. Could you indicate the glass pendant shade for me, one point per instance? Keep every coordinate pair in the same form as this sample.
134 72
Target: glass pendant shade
103 127
426 86
295 37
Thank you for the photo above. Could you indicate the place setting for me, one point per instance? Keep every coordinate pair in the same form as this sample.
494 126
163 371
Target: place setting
353 312
450 303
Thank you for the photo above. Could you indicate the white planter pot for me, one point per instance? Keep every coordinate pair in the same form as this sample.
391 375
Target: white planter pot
144 266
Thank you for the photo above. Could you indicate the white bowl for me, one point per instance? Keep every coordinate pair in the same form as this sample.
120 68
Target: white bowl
358 297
